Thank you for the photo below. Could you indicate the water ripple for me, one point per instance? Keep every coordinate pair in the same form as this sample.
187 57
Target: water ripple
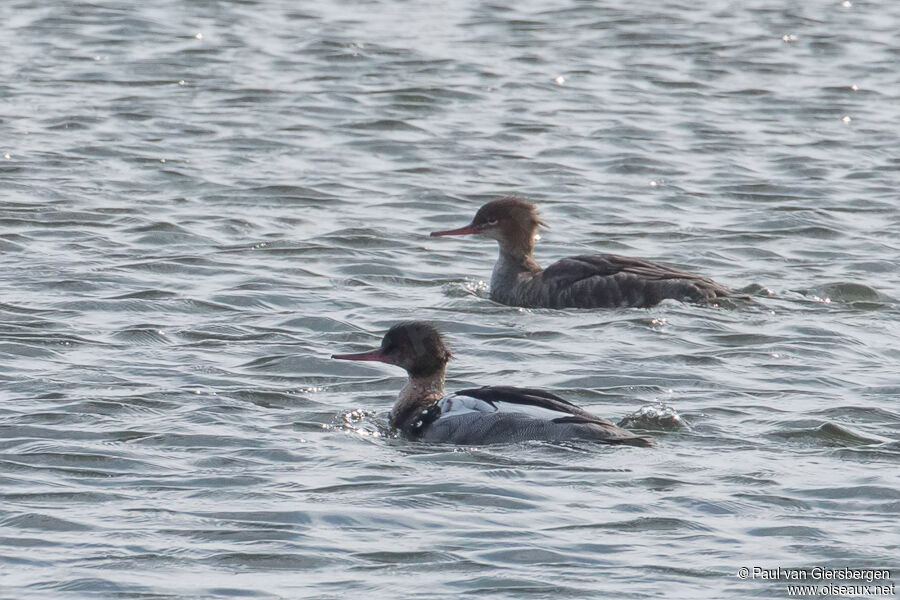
203 203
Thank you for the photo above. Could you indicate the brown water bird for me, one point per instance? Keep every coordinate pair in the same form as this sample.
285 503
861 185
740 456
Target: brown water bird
587 281
485 415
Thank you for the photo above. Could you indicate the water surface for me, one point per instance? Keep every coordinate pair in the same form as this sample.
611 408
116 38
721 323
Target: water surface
202 201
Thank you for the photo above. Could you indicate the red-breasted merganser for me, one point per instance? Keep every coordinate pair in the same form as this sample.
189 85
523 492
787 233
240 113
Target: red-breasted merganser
486 415
588 281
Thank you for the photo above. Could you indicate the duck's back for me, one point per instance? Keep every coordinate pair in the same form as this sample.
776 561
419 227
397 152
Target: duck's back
612 281
465 420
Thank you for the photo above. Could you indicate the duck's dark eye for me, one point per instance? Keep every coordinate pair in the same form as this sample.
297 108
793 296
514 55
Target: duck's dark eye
492 222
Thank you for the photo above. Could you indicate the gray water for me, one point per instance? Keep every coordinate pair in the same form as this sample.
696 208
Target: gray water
201 201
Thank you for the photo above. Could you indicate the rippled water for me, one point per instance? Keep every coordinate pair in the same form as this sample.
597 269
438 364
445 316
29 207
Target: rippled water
203 200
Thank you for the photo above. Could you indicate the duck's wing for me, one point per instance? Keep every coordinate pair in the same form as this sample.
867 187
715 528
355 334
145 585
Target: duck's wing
585 266
610 280
506 398
505 414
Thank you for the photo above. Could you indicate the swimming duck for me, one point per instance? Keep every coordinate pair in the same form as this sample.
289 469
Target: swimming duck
485 415
587 281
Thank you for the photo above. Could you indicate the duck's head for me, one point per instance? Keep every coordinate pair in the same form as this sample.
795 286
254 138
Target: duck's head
416 346
511 221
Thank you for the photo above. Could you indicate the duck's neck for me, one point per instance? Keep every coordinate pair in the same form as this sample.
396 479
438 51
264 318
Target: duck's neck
418 394
516 263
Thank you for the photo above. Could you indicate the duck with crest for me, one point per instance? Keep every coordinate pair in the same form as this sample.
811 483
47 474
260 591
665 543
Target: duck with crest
587 281
485 415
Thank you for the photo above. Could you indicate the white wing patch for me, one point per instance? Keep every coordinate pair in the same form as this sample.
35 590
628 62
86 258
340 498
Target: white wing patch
453 405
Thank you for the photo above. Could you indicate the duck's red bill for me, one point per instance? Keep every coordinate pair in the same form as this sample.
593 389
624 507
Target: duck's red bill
374 355
467 230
